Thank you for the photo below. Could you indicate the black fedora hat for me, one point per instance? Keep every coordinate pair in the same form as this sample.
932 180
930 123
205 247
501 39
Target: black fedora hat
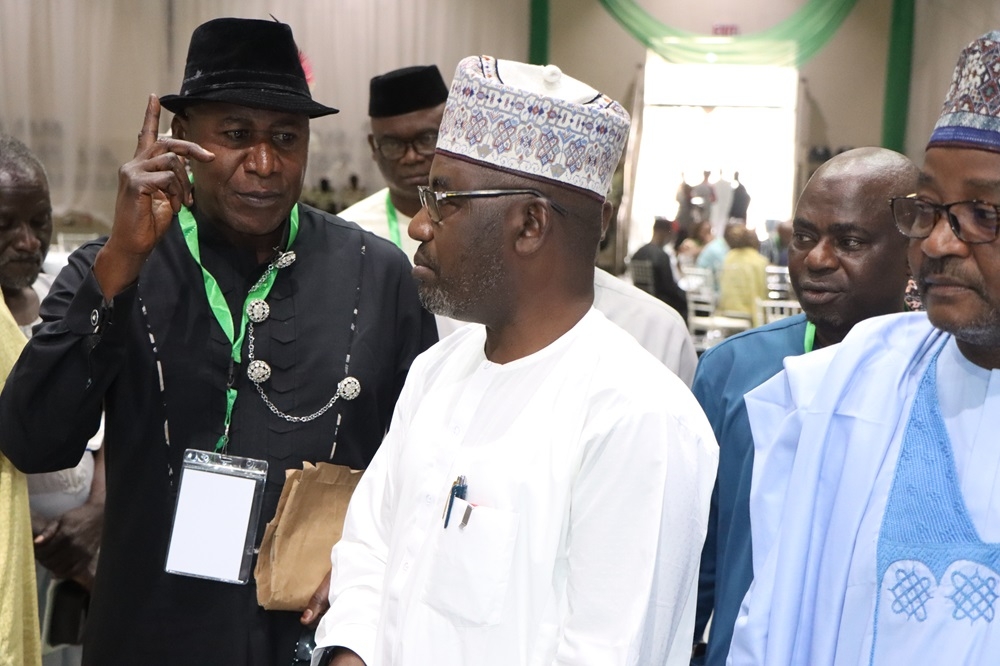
247 62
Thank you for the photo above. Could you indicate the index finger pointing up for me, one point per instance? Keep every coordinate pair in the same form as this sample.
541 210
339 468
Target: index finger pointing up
150 125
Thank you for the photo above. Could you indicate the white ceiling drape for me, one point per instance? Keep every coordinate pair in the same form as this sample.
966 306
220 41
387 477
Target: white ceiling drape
76 74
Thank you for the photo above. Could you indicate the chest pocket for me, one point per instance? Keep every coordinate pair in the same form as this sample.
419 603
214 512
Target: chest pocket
472 565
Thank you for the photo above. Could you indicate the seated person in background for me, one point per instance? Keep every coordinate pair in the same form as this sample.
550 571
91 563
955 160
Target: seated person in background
847 262
743 279
713 251
664 286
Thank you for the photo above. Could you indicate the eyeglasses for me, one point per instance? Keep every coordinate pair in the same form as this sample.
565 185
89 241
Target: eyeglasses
392 148
432 200
972 222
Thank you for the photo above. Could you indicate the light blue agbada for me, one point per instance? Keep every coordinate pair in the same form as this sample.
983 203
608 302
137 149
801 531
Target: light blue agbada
828 433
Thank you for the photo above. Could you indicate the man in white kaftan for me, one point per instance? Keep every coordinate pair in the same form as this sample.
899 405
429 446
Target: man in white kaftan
569 454
875 504
375 213
404 108
542 494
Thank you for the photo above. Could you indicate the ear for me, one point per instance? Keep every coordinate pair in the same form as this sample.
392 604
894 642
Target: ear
178 127
371 144
534 225
606 210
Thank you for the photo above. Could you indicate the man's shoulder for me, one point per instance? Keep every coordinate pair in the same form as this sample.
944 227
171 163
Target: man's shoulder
759 346
321 221
649 251
369 210
614 296
621 361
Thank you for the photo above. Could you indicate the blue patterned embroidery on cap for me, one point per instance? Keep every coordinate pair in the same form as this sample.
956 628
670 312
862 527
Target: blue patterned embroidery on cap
973 596
911 594
973 100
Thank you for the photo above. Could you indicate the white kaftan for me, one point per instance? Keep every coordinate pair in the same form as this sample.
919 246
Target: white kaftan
590 469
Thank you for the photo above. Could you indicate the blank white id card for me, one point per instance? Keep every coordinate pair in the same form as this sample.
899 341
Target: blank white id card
215 520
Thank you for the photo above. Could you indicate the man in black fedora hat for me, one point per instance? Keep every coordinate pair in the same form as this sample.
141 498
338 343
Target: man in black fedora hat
230 335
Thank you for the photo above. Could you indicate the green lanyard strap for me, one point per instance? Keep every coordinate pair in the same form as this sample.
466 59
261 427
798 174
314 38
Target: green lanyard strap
220 309
390 214
810 340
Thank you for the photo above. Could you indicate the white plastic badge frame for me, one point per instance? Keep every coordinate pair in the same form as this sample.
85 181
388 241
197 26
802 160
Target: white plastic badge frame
217 495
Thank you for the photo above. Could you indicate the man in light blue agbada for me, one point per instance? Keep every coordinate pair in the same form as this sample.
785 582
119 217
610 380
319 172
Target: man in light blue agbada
875 505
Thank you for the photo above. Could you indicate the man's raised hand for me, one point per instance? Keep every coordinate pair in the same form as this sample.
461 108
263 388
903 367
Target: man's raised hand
151 189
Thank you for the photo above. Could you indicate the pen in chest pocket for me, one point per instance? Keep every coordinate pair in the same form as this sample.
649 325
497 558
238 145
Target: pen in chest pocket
459 490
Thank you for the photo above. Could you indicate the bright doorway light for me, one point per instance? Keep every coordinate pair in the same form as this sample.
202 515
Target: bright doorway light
721 119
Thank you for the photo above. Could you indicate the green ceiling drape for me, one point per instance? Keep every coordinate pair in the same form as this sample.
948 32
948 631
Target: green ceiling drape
897 76
538 37
792 42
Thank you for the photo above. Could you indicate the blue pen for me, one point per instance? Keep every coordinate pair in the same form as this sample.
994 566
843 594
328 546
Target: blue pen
458 489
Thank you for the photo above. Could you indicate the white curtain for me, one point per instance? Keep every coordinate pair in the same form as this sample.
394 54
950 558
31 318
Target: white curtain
73 84
943 28
75 73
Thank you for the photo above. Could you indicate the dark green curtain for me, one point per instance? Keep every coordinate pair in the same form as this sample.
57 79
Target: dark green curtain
791 42
897 76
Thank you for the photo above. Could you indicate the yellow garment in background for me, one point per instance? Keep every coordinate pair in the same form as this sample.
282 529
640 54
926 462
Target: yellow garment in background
743 279
19 633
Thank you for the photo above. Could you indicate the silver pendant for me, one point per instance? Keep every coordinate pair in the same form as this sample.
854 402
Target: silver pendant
349 388
285 259
258 310
258 371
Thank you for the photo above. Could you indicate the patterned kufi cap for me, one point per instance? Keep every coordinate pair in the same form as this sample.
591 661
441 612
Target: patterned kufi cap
970 117
533 121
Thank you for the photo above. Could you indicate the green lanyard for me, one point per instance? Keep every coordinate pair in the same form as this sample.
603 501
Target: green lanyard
810 340
218 305
390 214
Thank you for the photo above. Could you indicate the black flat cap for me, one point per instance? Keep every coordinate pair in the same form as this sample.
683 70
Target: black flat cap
406 90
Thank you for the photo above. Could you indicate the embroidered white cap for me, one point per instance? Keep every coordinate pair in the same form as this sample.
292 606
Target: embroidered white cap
534 121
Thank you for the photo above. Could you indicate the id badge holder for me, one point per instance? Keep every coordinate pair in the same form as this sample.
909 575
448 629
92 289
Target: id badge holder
216 516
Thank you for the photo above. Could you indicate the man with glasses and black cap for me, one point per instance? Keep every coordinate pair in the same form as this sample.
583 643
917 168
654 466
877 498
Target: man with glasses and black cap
405 107
230 335
542 494
875 507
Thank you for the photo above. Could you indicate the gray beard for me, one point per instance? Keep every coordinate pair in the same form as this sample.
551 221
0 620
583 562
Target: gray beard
17 283
462 302
983 332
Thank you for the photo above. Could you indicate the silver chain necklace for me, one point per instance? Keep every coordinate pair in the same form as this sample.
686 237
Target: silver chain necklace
259 371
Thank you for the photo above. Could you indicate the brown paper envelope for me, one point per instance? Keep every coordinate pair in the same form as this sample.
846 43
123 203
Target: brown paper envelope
308 522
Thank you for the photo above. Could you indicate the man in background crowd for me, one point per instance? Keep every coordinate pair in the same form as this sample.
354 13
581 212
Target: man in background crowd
655 257
743 276
847 262
404 107
67 506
